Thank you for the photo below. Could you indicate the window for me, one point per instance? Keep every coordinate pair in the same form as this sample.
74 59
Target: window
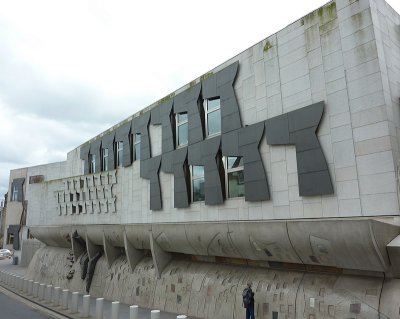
197 175
14 196
119 153
92 163
181 129
105 159
234 176
136 147
212 110
10 239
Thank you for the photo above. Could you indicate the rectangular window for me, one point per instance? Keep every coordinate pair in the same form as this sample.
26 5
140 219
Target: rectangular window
181 129
14 196
119 153
212 110
197 176
92 163
234 176
105 159
136 147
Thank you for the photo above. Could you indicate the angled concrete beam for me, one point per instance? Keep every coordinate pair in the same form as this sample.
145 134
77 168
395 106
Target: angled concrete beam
110 251
91 248
133 255
161 258
78 245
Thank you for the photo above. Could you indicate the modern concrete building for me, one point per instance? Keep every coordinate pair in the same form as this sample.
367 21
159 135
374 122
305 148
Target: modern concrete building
279 166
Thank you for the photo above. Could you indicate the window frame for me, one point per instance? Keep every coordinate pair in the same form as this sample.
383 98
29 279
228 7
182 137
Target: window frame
92 163
119 153
136 143
229 171
104 159
207 112
192 179
177 125
14 197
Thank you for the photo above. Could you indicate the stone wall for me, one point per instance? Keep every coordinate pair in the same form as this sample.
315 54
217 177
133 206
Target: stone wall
207 290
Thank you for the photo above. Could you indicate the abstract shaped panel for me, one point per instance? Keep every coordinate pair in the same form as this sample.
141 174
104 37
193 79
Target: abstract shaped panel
245 142
221 84
95 149
17 184
84 155
166 120
176 163
205 153
122 134
299 128
107 141
149 169
140 125
188 101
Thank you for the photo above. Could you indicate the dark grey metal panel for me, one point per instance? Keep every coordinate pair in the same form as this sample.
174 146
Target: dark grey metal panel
255 178
205 154
277 130
84 155
307 182
122 134
14 230
166 113
149 169
221 84
230 143
308 116
181 179
188 101
299 128
140 125
95 149
107 141
155 117
18 183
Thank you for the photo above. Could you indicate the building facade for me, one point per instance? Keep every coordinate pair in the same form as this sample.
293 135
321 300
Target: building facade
279 166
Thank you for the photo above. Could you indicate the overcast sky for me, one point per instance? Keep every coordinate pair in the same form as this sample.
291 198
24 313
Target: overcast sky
70 69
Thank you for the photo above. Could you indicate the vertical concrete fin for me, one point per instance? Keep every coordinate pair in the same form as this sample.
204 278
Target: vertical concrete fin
110 251
133 255
91 248
161 258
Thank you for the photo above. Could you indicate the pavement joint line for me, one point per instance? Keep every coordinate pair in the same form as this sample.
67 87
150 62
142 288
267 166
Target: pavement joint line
34 304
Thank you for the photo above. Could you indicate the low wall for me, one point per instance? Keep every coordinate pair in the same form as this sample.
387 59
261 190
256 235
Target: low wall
209 290
28 250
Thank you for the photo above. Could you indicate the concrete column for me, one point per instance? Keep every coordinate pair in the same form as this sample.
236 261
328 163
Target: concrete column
13 281
161 258
115 310
85 306
35 289
181 317
74 302
30 287
64 304
99 308
41 291
155 314
133 312
47 295
25 285
21 284
56 296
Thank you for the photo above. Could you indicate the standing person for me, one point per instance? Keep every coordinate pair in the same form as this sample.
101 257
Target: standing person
248 301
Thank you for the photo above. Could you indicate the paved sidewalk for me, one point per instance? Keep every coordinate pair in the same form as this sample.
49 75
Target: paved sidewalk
7 266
